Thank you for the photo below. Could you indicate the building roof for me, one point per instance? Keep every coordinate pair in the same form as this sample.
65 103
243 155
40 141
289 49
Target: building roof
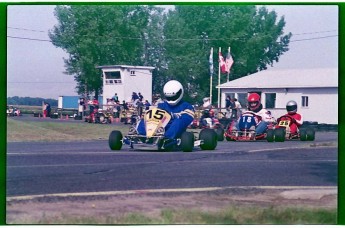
289 78
124 66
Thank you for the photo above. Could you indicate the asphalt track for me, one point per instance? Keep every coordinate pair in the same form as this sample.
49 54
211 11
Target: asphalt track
91 168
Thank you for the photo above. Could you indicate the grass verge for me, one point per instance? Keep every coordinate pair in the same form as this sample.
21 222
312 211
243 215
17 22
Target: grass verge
31 131
230 216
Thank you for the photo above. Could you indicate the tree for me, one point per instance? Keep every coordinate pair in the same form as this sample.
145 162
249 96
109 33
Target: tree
176 44
254 35
101 35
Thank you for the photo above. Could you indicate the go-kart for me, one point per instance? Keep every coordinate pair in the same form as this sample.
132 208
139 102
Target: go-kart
155 121
246 132
282 131
99 116
210 123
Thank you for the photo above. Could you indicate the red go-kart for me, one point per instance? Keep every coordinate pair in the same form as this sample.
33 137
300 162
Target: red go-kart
283 131
244 128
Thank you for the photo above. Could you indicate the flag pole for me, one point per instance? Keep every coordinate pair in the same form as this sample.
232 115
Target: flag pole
211 73
220 50
229 70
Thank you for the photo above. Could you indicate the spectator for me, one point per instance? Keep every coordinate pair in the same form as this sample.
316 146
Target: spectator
147 105
115 98
228 105
48 109
110 105
81 107
135 99
238 107
125 106
141 97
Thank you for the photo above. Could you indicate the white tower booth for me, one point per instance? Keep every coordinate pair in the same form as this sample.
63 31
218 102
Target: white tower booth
124 80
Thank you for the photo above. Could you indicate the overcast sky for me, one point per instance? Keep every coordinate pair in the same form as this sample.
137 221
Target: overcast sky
35 66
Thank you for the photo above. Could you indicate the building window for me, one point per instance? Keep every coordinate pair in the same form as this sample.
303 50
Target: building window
112 77
305 101
132 73
242 98
270 100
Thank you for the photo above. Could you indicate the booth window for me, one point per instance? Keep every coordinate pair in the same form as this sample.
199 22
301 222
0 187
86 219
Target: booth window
305 101
270 100
113 77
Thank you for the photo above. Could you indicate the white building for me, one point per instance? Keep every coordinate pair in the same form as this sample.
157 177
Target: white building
124 80
314 90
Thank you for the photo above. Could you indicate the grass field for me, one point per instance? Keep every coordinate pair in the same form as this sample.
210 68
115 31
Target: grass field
28 131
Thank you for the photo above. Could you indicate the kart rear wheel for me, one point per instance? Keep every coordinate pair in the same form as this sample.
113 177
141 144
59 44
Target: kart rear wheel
209 137
220 134
270 135
279 135
303 134
115 140
187 141
310 134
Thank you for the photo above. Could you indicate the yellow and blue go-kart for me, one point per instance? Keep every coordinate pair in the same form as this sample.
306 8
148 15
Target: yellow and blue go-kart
155 122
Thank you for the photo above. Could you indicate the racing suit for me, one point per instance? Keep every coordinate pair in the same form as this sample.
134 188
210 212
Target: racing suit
264 117
297 121
182 115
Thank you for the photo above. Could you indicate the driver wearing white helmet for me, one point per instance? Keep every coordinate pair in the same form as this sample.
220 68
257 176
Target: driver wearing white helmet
182 112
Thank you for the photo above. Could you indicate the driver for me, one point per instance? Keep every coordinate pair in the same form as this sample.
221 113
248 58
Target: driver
182 113
263 116
296 118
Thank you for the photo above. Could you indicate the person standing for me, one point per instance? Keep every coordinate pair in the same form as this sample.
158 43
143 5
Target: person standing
228 106
115 98
238 107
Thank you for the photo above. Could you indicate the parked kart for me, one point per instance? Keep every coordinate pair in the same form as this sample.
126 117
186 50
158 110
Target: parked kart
246 132
99 116
282 131
13 111
155 122
210 123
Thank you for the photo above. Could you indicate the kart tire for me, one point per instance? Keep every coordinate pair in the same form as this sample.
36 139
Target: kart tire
310 134
209 137
270 135
303 134
187 141
220 134
279 135
115 140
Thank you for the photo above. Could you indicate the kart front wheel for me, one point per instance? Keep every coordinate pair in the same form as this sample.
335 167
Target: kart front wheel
270 135
209 138
220 134
115 140
187 141
303 135
279 135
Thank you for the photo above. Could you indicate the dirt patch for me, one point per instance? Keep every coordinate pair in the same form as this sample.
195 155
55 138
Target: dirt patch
150 204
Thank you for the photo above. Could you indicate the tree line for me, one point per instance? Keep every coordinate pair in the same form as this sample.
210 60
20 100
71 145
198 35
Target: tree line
177 42
31 101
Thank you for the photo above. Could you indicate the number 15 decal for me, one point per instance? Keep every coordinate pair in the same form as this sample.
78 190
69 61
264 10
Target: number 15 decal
159 114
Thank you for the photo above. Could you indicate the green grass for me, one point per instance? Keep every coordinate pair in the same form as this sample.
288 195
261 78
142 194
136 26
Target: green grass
238 215
30 131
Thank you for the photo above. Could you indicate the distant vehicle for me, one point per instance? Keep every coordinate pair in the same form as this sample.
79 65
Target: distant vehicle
13 111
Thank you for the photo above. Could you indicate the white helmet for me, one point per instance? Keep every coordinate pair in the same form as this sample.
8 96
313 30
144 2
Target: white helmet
173 92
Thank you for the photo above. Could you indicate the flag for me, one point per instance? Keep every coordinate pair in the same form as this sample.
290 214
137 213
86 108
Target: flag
222 65
228 62
211 62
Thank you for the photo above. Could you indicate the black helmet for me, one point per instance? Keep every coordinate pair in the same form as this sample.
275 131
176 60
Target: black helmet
291 107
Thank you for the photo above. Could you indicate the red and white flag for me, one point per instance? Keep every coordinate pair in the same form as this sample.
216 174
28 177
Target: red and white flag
228 62
222 64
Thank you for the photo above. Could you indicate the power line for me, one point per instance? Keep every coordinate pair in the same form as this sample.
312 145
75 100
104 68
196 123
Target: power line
31 30
176 39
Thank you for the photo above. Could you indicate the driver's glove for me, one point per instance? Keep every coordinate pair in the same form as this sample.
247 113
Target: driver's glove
175 115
